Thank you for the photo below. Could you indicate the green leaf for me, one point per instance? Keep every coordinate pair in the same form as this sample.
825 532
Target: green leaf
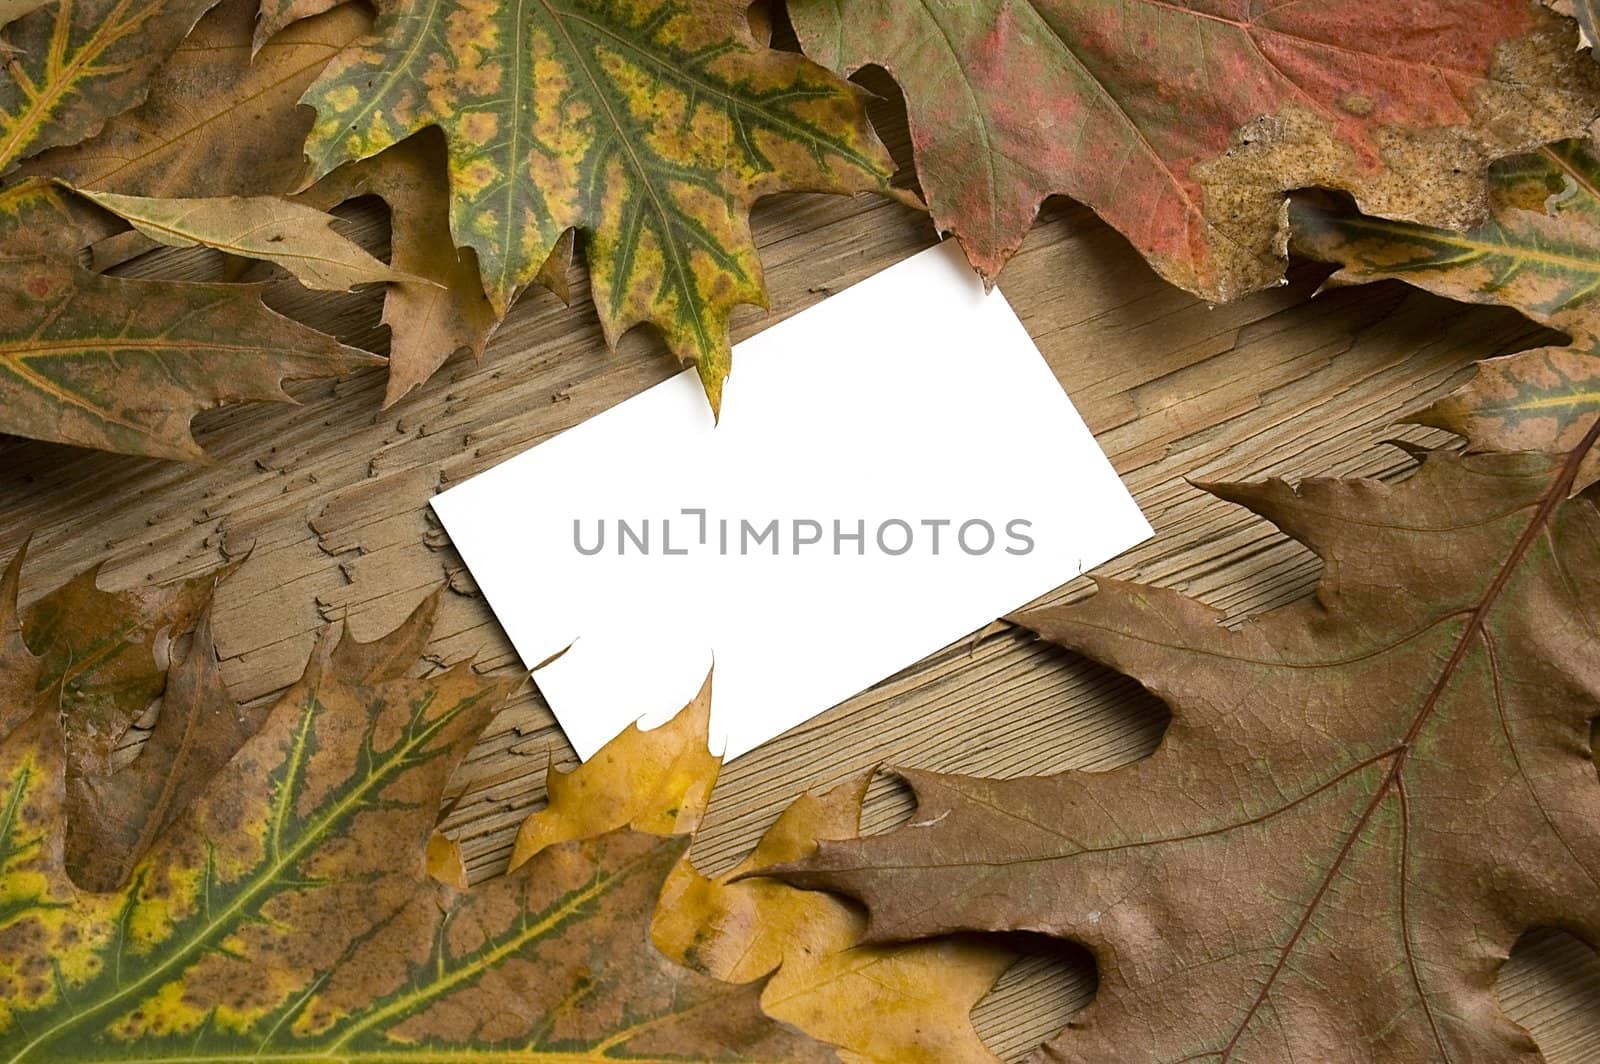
649 126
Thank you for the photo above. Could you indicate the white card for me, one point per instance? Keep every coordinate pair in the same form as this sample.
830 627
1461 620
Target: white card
909 399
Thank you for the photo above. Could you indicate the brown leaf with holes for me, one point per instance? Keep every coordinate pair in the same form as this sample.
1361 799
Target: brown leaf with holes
1361 803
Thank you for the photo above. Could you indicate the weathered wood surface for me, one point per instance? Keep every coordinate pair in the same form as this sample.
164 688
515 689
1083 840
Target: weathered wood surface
329 501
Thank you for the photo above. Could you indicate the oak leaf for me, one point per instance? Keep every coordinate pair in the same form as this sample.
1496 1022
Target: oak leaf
288 909
1183 124
889 1004
651 128
1539 252
1361 803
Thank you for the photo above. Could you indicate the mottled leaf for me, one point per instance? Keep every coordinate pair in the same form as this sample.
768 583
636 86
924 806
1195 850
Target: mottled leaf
72 64
1362 801
124 365
428 321
1183 123
889 1004
1539 252
288 912
650 126
114 816
299 238
215 122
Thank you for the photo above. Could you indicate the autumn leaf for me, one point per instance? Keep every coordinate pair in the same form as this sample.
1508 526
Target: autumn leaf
649 127
124 365
1539 253
273 229
288 910
1362 800
11 10
72 64
894 1004
447 310
1183 124
889 1004
216 122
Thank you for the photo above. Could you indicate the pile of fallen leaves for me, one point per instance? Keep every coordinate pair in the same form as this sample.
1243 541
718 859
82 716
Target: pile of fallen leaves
507 138
266 882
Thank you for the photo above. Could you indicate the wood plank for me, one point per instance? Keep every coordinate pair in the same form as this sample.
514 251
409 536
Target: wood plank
329 501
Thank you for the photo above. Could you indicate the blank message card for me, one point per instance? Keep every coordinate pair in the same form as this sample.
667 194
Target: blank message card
894 468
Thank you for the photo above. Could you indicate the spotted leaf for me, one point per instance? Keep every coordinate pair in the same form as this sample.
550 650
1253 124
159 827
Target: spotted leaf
650 126
288 911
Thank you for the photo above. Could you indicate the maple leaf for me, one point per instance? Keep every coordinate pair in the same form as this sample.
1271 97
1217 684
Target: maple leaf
288 909
1360 804
1183 123
71 65
650 127
889 1004
217 121
1539 252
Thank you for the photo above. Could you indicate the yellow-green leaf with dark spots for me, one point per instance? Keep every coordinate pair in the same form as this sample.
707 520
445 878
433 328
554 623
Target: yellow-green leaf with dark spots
650 126
1538 252
287 912
72 64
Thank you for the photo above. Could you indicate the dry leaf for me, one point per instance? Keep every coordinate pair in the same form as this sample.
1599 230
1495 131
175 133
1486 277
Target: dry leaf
71 65
650 127
890 1004
299 238
288 911
1361 803
11 10
1183 123
905 1004
1540 253
124 365
431 320
215 123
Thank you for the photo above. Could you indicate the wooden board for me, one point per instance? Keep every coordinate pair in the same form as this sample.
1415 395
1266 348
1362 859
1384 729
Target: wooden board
329 502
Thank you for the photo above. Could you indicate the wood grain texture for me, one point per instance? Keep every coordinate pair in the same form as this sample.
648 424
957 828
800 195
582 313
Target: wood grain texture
328 500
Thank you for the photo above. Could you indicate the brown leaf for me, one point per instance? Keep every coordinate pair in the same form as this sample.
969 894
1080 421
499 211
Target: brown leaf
107 651
1184 123
1362 801
215 122
124 365
114 817
297 237
432 320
